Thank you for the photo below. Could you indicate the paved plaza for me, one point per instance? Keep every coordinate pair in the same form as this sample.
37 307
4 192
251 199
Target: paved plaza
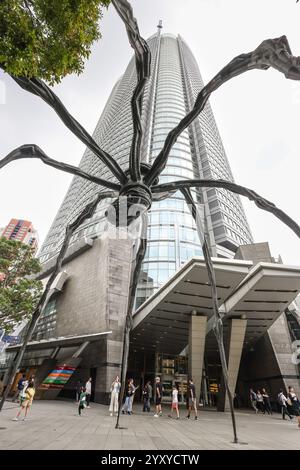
55 425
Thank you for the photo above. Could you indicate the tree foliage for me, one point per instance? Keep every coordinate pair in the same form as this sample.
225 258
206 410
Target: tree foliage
48 39
19 294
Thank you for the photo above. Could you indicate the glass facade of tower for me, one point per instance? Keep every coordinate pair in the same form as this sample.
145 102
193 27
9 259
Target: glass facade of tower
172 236
170 93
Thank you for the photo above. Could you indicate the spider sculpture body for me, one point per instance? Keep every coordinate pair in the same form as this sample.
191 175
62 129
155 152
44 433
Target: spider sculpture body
140 183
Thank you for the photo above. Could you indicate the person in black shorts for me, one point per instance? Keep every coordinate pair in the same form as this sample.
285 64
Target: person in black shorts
158 397
192 400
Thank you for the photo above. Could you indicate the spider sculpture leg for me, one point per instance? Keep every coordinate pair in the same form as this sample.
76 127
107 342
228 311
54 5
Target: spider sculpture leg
218 324
132 291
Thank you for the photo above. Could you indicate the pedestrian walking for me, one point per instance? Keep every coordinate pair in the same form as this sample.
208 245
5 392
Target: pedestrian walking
82 400
174 405
114 396
260 402
88 389
20 386
253 400
1 387
26 403
191 399
293 404
130 389
79 386
158 397
267 403
282 400
132 396
147 395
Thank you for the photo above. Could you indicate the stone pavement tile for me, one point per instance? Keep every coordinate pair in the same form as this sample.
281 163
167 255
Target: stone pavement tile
128 432
55 425
161 443
130 445
113 443
147 445
58 444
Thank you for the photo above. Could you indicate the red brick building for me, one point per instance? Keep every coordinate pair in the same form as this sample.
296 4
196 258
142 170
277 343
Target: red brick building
22 231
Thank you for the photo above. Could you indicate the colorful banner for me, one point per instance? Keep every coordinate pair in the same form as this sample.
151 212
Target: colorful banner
58 377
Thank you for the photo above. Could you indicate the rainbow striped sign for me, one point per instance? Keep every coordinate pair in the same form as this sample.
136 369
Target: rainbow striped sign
58 377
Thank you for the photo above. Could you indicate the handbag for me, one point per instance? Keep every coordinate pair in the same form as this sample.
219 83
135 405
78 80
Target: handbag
289 401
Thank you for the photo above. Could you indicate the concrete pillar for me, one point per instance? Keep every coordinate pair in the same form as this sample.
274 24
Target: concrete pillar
233 349
197 334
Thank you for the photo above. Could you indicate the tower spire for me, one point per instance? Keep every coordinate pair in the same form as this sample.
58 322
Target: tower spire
159 26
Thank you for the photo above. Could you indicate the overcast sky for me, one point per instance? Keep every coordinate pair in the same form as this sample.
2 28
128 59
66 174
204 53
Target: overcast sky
258 113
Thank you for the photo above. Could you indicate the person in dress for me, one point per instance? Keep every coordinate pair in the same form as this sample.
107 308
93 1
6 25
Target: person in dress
174 405
114 397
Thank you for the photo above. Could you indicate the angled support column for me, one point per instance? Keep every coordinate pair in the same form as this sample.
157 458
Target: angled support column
233 349
197 334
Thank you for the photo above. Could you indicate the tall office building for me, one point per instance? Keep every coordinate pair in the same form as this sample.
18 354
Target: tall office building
81 327
22 231
198 153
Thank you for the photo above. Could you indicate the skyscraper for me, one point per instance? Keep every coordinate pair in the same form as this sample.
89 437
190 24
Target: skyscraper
82 325
198 153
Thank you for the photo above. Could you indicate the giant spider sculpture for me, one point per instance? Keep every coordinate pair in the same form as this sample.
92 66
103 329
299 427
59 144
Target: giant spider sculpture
139 184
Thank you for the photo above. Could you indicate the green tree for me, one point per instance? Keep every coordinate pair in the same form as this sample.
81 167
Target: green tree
48 39
19 294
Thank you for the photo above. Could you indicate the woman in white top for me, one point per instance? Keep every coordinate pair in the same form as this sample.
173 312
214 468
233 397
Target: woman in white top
88 390
114 398
293 404
174 405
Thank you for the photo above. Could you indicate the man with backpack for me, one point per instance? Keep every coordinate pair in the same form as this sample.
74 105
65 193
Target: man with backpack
20 387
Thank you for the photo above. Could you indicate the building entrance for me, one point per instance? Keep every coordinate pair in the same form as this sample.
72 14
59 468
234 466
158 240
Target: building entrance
172 371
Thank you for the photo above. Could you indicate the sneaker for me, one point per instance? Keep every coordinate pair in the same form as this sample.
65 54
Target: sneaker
111 414
88 406
156 415
188 417
129 412
24 419
160 413
196 417
123 412
15 419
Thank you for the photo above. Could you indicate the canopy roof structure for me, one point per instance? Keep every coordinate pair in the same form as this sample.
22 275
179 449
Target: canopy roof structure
257 293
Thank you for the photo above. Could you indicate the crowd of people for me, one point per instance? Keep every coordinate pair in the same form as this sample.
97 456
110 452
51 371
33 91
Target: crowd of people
289 405
148 393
